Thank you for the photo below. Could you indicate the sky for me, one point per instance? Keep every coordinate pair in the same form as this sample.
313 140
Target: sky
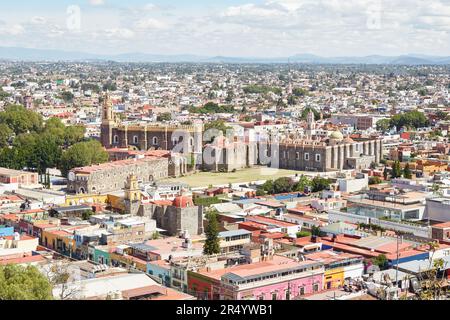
239 28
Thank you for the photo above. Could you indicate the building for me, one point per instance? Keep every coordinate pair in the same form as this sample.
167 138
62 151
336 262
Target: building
438 209
339 267
279 278
175 217
358 121
441 231
234 240
16 245
336 152
124 286
112 176
180 139
21 178
355 183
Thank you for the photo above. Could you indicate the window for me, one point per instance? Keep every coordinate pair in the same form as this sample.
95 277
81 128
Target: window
284 154
116 139
318 157
135 139
302 290
155 140
274 296
297 155
306 156
316 287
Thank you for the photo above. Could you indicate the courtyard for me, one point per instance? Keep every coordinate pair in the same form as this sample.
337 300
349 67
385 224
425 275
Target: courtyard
205 179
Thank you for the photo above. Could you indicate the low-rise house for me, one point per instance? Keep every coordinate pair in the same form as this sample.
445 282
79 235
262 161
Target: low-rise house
234 240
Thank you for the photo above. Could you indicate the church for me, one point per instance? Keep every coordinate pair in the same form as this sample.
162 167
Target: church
186 139
313 152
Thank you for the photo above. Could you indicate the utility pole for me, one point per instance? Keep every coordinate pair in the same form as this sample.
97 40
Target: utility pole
396 269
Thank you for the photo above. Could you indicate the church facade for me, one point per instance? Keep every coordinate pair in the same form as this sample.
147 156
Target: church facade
177 138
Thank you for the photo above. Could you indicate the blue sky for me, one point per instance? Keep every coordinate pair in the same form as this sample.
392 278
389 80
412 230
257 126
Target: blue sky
230 27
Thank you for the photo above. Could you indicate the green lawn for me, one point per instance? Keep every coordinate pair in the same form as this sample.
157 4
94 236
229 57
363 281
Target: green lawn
205 179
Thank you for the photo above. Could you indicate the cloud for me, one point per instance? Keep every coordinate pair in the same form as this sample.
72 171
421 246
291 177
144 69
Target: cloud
38 20
96 2
150 24
119 33
13 30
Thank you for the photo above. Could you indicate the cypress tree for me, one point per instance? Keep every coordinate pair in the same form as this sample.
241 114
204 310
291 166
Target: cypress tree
407 172
396 170
212 235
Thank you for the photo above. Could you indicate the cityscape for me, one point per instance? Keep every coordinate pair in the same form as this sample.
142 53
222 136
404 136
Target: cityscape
221 175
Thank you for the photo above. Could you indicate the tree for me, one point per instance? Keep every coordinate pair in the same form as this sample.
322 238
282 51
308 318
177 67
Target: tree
167 116
86 215
407 172
64 277
212 235
292 100
381 261
441 115
82 154
67 96
315 231
436 189
396 169
320 184
73 134
433 280
283 185
3 95
307 110
216 125
55 127
374 180
303 183
414 119
5 135
302 234
12 158
21 120
46 153
212 107
23 283
384 125
260 192
268 187
300 92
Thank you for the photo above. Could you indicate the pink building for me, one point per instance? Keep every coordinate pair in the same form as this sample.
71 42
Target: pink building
280 278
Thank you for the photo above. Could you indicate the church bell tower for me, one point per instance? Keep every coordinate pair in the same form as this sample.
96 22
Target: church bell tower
106 135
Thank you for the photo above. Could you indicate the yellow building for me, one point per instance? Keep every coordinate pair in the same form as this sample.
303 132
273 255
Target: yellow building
76 200
59 240
333 278
339 266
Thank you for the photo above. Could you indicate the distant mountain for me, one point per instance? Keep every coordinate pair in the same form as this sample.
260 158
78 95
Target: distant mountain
26 54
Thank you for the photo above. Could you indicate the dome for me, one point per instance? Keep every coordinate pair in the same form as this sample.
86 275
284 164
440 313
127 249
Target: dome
183 202
337 135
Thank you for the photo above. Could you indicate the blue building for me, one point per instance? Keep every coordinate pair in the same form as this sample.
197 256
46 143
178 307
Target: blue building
6 231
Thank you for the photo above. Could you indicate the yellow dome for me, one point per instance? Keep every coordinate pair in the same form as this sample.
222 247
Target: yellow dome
337 135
